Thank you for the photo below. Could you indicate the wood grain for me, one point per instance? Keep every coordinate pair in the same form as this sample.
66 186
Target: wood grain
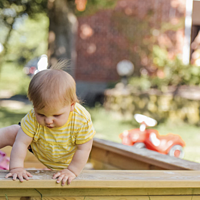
110 179
130 158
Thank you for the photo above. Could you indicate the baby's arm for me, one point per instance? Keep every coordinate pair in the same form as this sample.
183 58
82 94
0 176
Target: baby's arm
77 164
18 155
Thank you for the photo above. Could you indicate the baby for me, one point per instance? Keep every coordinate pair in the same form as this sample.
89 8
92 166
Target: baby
58 130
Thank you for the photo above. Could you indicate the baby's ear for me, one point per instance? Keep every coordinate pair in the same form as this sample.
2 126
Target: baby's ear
72 107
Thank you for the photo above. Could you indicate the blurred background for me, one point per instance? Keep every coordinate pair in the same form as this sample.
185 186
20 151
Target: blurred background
127 57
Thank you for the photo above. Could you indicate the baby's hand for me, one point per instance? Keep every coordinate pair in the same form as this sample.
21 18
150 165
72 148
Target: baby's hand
65 176
18 173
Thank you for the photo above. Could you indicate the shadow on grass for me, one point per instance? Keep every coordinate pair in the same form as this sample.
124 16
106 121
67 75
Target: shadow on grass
9 117
130 123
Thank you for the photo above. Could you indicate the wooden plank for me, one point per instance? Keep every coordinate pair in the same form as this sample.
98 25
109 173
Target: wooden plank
109 158
106 151
101 165
170 198
110 179
143 198
110 198
60 198
174 198
195 13
10 198
96 198
71 192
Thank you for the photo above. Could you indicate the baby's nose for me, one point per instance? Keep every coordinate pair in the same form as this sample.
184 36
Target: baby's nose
48 120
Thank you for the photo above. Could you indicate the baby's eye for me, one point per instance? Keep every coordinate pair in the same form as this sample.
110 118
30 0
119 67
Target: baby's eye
41 115
57 115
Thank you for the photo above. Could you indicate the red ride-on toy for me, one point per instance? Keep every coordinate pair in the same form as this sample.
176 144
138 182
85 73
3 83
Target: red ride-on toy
142 137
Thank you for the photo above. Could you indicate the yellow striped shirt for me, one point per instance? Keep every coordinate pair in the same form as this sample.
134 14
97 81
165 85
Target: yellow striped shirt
55 147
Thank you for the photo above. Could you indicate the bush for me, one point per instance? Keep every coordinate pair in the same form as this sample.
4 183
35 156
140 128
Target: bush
170 72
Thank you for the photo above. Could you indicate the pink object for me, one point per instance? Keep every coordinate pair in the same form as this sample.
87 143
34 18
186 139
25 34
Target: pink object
4 161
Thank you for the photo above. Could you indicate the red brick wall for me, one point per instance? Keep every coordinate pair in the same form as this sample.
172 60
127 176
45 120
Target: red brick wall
101 44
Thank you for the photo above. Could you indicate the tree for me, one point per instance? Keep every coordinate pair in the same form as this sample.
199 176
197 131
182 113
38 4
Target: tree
62 25
62 32
62 22
10 12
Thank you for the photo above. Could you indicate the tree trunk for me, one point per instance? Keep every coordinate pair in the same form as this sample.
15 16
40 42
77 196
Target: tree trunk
62 33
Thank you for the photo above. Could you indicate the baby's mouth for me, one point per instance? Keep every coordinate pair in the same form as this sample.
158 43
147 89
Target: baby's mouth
49 126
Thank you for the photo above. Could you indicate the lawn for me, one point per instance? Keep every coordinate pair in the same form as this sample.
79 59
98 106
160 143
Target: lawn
13 79
108 125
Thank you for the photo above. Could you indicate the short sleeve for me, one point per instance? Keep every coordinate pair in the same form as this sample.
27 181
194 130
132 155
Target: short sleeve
85 133
28 123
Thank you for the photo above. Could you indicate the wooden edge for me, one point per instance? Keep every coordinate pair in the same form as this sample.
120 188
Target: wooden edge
195 13
147 156
110 179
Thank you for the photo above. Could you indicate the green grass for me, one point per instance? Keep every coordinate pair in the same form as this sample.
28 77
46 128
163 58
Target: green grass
13 79
107 125
9 116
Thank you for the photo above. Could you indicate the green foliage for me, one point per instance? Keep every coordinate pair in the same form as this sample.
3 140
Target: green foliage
20 7
168 26
175 73
29 39
11 14
142 83
94 6
25 26
159 56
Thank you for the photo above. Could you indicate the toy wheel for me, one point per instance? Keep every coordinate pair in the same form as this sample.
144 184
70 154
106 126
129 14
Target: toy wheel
176 151
139 145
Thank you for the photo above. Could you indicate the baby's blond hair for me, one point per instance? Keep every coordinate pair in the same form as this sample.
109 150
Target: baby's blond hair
52 86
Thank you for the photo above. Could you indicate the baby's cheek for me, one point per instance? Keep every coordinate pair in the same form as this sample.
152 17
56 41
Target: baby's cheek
39 120
61 122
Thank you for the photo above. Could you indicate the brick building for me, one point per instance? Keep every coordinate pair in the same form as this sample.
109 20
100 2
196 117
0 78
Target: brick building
128 31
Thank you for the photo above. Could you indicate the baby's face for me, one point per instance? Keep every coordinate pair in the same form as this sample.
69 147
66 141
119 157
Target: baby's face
53 117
